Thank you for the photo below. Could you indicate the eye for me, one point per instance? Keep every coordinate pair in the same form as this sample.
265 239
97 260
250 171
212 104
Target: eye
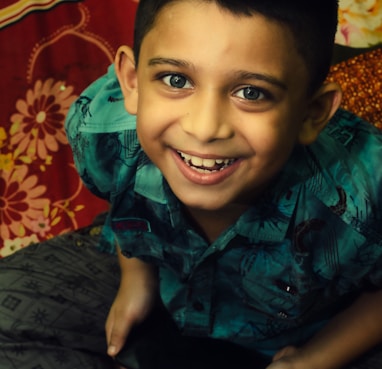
251 93
176 81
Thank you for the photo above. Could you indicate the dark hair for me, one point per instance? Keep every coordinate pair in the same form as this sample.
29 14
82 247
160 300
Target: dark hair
313 24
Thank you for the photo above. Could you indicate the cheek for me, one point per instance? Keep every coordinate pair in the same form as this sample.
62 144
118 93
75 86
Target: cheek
271 149
152 131
278 132
144 133
269 141
147 121
158 127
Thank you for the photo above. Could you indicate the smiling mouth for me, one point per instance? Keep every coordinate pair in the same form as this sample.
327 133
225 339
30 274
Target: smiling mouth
203 165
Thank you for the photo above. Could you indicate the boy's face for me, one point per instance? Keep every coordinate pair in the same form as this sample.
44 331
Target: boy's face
221 102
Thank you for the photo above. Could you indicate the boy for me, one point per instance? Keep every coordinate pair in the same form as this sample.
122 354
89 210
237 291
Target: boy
243 196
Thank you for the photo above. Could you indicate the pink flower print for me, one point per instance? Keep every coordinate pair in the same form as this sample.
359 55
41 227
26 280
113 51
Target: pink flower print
20 202
359 23
41 226
38 126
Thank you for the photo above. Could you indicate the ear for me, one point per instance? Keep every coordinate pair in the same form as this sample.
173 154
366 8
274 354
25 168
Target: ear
127 76
321 109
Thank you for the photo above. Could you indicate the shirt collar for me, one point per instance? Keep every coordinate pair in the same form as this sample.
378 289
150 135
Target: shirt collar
267 221
149 181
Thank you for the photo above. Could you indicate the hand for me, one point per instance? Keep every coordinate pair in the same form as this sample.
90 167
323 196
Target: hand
135 299
287 358
281 364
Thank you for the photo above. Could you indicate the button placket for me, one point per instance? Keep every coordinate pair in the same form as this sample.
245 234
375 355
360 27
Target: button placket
198 305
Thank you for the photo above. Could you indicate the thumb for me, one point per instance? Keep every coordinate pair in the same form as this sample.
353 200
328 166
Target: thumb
286 351
117 337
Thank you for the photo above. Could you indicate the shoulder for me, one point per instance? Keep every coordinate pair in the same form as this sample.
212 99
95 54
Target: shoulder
100 108
350 147
347 178
338 213
103 137
352 133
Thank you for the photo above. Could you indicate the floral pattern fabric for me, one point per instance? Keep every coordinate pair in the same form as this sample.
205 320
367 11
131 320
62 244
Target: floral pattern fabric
47 59
360 23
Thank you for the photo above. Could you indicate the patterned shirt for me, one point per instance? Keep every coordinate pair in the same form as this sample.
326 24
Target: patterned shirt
290 262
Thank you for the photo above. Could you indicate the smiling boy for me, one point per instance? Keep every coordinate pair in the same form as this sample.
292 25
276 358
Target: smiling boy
227 104
217 100
239 192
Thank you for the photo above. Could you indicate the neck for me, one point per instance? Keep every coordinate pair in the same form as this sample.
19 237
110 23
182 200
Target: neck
213 223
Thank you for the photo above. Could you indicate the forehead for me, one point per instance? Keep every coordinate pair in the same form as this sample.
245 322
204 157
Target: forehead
206 34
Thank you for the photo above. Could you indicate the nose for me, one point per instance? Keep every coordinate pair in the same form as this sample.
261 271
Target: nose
208 118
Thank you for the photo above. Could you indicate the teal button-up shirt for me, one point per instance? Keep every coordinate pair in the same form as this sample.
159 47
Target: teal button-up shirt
302 253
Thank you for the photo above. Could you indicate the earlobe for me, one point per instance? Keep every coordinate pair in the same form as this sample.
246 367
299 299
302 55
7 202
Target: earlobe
125 70
321 109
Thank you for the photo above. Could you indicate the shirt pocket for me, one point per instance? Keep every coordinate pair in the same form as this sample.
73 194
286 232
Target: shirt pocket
273 283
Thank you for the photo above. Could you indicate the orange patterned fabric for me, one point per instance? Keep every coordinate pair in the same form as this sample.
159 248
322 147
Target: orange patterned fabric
13 10
361 80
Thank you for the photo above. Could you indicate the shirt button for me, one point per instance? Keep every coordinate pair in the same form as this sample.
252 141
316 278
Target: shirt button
127 254
198 306
282 315
287 288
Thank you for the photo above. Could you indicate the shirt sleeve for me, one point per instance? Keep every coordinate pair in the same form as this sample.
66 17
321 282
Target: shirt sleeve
103 138
350 155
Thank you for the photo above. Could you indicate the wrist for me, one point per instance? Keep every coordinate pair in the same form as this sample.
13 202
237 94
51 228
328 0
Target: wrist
306 359
301 359
138 274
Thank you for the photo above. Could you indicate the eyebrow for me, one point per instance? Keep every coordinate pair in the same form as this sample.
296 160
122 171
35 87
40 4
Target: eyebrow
175 62
262 77
241 74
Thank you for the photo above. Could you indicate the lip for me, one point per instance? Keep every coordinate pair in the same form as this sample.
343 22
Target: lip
206 179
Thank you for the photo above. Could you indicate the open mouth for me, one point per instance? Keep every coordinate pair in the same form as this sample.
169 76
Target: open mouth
202 165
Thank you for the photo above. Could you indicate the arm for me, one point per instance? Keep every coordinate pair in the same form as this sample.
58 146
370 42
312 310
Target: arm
347 336
136 296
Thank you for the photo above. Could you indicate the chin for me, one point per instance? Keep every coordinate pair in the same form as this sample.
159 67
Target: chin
196 202
204 203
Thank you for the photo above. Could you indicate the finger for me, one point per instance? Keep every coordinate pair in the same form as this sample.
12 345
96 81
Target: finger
286 351
109 326
110 322
118 334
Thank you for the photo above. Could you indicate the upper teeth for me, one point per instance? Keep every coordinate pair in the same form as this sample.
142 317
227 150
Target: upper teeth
206 163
